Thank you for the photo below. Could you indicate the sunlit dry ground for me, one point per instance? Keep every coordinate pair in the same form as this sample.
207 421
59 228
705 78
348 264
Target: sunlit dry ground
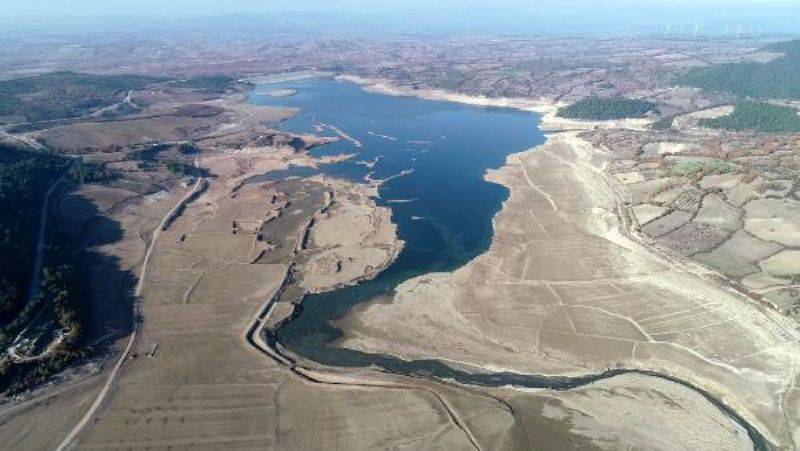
116 239
563 290
195 382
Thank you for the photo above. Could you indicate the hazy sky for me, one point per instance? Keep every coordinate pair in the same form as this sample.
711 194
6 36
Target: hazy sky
431 16
211 7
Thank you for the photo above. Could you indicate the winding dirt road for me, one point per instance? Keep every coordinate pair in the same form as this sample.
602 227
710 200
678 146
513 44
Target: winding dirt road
36 273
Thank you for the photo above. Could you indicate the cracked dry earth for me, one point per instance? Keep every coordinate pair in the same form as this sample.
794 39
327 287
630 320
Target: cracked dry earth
564 290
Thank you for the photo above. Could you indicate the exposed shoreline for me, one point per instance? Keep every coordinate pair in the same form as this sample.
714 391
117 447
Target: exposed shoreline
562 129
345 377
542 106
550 122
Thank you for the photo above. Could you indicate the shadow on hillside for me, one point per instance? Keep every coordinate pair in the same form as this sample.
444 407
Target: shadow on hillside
108 288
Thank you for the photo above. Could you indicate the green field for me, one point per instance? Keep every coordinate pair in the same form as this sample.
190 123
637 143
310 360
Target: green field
599 109
705 167
778 79
758 117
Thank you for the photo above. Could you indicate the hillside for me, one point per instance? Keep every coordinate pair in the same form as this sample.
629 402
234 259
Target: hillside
598 109
24 178
778 79
759 117
63 95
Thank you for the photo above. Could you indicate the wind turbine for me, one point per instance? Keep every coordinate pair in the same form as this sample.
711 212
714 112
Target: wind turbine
667 31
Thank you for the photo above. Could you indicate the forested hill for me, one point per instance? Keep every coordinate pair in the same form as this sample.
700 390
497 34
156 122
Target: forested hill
778 79
65 94
599 109
24 178
758 117
55 315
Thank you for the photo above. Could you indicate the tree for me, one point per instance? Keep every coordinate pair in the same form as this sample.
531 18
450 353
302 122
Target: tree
777 79
596 108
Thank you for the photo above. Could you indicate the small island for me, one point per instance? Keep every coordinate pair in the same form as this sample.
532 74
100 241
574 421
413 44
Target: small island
280 93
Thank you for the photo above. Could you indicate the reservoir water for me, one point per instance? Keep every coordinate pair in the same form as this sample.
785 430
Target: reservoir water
433 156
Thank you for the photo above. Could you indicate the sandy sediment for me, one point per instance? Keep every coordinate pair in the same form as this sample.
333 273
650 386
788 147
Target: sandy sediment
192 381
290 76
566 289
342 134
279 93
352 240
626 412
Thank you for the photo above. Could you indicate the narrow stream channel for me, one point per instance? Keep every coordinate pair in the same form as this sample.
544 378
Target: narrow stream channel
442 205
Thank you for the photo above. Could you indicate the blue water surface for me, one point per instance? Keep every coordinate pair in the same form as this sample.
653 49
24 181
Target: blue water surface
446 209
